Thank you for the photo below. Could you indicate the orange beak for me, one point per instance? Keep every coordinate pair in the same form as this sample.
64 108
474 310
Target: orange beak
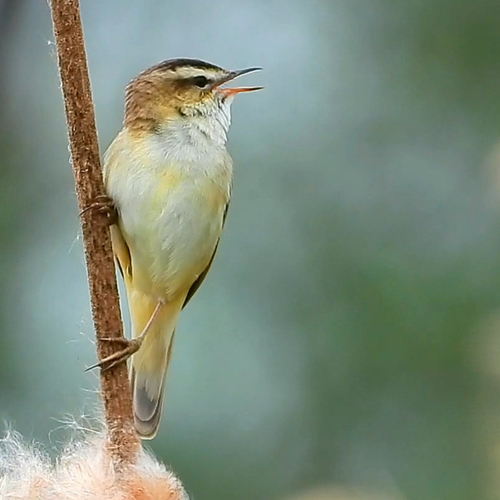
236 90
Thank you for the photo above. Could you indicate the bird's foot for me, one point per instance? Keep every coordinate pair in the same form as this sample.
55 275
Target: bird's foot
130 347
104 205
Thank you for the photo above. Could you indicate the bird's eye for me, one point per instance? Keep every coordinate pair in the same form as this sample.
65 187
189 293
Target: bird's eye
201 81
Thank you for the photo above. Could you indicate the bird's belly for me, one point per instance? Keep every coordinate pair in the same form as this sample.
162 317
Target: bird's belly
171 240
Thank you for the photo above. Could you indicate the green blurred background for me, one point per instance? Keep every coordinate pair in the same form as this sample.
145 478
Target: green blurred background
348 334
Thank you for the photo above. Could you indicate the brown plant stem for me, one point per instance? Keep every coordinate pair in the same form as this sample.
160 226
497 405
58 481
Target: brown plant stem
123 442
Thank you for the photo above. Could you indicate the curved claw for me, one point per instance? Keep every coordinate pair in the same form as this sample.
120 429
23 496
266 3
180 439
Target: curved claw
105 205
121 356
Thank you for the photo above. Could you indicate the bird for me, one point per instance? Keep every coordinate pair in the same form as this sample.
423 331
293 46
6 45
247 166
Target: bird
168 180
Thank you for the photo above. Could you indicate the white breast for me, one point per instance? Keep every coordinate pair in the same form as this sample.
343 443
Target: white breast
171 201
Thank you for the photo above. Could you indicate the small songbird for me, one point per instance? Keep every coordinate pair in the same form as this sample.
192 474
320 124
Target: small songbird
168 175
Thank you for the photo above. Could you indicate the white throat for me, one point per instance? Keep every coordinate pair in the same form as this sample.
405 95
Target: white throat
199 133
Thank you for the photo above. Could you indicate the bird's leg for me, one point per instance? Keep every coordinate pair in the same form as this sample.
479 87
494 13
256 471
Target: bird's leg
104 205
131 346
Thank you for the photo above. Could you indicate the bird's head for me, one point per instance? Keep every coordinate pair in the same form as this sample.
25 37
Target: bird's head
179 90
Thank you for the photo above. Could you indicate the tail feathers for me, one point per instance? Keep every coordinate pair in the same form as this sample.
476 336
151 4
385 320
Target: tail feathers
147 409
149 365
148 399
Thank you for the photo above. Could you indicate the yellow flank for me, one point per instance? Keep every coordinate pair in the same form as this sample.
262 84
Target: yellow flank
167 181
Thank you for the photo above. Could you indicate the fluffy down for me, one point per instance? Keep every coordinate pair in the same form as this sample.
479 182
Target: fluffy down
82 472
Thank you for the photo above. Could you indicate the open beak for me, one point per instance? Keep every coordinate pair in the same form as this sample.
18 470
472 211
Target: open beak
236 90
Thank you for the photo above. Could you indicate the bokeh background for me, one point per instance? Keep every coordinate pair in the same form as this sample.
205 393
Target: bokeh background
346 344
